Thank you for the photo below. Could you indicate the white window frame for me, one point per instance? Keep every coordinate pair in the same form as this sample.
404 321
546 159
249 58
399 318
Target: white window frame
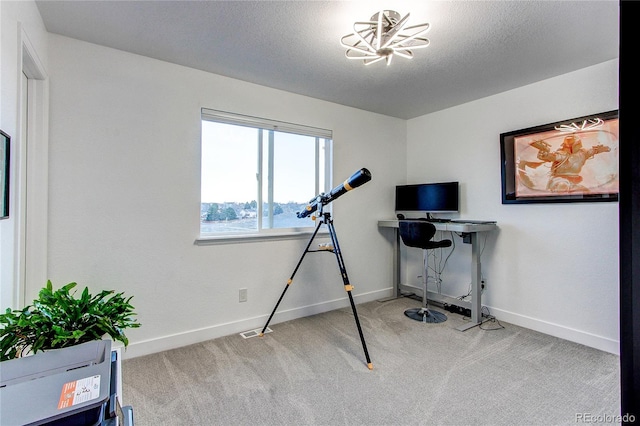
271 233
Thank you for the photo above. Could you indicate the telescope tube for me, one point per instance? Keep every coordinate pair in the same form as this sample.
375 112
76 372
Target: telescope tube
357 179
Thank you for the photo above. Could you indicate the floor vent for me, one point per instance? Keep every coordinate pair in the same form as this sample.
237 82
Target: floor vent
254 333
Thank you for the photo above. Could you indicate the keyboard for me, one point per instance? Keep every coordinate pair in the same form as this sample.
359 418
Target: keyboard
427 219
474 222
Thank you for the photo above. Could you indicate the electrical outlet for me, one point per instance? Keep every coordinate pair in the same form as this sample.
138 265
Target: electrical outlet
242 295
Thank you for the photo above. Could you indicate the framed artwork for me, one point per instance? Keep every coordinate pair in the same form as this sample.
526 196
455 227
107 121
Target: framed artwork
4 174
574 160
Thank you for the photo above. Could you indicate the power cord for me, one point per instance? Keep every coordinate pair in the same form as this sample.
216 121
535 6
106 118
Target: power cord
490 318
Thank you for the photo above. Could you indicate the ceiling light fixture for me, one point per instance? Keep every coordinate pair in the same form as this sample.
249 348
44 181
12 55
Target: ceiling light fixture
382 37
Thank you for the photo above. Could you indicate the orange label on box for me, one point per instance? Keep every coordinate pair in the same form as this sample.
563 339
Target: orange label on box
82 390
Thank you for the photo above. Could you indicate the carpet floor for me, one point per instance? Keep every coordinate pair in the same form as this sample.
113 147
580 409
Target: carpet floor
312 371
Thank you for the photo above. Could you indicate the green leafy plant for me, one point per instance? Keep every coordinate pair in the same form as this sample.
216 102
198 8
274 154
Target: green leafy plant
57 319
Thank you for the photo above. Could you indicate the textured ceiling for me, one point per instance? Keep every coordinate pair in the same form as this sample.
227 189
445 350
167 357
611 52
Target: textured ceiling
478 48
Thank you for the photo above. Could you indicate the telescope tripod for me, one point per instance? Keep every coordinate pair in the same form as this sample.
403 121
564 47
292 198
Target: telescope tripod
325 218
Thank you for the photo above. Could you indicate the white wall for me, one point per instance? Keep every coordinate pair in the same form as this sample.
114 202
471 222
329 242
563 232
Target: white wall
550 267
125 196
21 29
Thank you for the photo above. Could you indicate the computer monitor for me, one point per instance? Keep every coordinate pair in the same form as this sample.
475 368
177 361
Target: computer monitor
427 198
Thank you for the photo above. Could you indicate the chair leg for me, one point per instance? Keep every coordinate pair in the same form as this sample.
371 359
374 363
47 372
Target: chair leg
425 278
424 314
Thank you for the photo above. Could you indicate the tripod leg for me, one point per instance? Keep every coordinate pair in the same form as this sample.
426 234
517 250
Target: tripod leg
364 345
290 281
348 287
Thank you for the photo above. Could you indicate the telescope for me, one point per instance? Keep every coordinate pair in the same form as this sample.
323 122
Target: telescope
357 179
360 177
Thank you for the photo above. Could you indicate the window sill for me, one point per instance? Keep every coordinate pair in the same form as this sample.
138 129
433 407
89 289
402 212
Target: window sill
236 239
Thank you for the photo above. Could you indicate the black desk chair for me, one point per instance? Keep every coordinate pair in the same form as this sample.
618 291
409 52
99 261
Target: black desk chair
420 234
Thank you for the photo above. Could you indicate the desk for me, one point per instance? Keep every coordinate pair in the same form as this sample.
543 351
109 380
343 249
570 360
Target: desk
469 231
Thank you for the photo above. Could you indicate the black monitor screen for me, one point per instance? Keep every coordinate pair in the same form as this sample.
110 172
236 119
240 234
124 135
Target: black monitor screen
427 197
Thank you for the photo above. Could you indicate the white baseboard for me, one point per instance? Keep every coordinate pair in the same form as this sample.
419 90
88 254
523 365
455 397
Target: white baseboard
146 347
578 336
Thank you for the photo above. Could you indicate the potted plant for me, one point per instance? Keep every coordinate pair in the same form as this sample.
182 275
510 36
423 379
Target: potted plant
57 319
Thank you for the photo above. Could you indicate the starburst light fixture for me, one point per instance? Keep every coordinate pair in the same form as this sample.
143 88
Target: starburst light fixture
383 37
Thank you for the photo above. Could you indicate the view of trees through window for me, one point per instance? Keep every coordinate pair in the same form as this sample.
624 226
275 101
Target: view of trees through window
255 178
242 217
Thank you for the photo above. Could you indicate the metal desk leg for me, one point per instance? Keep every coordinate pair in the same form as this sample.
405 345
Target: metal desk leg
396 267
476 295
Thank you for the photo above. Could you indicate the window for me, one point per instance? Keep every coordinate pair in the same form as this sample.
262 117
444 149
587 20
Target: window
256 174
